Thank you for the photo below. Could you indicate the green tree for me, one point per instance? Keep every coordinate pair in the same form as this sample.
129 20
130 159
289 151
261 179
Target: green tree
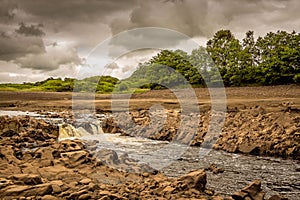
279 57
225 50
248 59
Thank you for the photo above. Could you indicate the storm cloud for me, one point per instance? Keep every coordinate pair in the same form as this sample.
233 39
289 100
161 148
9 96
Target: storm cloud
28 29
15 45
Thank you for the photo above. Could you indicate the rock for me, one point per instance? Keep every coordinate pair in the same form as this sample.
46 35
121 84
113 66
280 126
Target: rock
13 190
57 182
253 191
248 148
71 145
57 172
75 195
75 158
49 197
168 189
103 193
109 126
93 187
217 198
239 195
8 153
195 179
105 198
25 190
213 168
52 169
56 188
85 181
28 179
26 129
84 197
39 190
5 182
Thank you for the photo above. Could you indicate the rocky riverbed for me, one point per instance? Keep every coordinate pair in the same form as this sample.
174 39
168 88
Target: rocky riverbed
251 130
36 165
261 136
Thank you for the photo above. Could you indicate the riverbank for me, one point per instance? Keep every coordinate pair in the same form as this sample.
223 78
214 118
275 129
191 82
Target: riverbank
259 120
35 165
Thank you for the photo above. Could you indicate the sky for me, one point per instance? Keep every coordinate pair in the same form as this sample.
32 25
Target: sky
56 38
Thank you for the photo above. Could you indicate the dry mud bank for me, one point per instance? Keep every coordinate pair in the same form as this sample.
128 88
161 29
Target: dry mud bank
270 97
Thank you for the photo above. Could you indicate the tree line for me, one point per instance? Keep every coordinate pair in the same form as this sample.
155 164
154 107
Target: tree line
270 60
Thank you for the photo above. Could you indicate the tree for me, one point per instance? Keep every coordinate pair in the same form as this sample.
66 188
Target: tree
224 49
179 61
279 57
248 59
204 64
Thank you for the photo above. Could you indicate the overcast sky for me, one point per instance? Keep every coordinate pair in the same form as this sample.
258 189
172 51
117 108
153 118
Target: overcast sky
46 38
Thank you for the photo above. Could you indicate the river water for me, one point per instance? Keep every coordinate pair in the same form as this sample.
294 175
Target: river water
278 176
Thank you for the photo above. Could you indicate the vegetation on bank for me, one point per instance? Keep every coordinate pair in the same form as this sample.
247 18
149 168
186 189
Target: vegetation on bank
100 84
270 60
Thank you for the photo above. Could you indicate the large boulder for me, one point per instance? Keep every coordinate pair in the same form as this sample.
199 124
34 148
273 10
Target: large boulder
28 179
195 179
26 190
252 191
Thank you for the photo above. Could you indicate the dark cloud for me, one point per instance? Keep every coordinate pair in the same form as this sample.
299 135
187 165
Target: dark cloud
143 38
7 10
191 17
14 45
52 59
30 52
203 18
74 11
78 26
187 17
30 30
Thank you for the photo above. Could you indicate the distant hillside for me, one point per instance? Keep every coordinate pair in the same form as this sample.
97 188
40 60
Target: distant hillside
100 84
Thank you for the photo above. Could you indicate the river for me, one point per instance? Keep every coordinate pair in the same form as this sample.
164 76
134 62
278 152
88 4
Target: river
278 176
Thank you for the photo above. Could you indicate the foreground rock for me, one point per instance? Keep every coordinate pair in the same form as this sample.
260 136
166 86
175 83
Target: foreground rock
252 191
49 169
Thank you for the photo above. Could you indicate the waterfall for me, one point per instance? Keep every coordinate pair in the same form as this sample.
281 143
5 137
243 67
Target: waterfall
69 131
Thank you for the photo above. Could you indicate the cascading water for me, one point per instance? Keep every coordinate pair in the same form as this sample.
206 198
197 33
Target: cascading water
69 131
